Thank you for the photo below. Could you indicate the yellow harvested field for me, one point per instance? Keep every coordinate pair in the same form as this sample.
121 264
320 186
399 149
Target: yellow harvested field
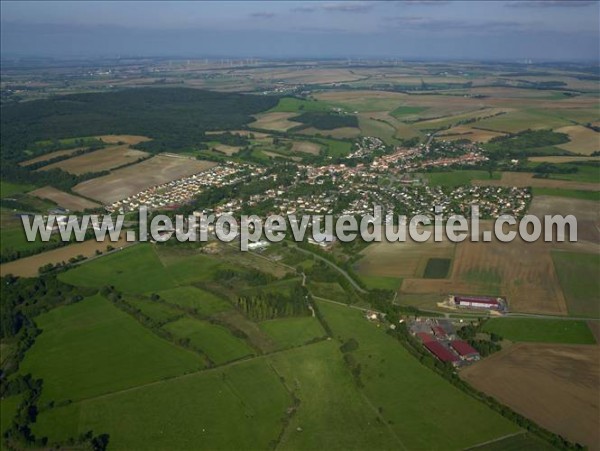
274 121
313 76
451 119
277 155
227 150
524 179
257 135
126 139
561 159
50 156
99 160
364 101
554 385
28 266
586 212
523 272
62 199
407 259
583 139
130 180
517 121
465 132
306 147
342 132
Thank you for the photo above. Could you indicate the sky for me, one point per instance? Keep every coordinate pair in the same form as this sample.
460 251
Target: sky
420 29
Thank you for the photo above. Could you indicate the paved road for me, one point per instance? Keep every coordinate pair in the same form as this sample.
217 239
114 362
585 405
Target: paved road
507 315
336 267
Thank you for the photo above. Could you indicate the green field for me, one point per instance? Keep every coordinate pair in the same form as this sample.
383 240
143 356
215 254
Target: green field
215 341
578 276
12 238
295 105
91 348
413 400
203 302
138 269
571 193
437 268
406 111
330 290
585 173
381 282
336 148
517 442
293 331
156 311
458 178
8 409
332 412
8 188
541 330
521 120
377 127
239 407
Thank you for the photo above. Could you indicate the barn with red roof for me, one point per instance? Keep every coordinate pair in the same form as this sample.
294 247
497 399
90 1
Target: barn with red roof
464 350
441 352
425 337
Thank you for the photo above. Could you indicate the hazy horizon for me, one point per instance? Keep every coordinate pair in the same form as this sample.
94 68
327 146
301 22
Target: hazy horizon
502 30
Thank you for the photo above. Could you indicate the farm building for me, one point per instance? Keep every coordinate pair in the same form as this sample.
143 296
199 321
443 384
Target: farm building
425 337
441 352
465 350
480 302
439 331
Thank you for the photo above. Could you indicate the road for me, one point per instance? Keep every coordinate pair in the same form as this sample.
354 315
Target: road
507 315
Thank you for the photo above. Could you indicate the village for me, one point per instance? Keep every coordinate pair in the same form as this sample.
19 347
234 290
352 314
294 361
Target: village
393 181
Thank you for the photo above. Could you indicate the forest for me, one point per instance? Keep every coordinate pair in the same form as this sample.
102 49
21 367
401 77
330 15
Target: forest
175 118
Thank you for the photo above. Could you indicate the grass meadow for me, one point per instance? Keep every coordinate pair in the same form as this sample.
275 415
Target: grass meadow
458 178
541 330
412 399
8 189
203 302
332 412
570 193
140 269
237 407
92 348
293 331
215 341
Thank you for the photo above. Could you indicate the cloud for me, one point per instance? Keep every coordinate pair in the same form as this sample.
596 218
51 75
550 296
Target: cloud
423 2
549 4
441 25
348 7
304 9
262 15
